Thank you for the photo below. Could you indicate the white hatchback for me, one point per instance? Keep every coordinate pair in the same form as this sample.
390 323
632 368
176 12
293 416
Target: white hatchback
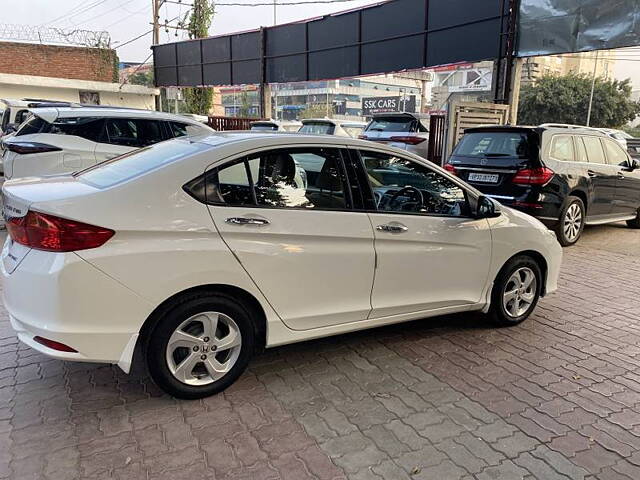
57 140
199 251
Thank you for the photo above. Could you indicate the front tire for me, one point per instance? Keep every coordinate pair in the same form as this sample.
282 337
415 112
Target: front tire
200 345
635 223
571 221
516 291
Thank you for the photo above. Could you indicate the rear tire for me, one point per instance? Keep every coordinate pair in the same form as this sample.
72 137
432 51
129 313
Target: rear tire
571 221
516 291
635 223
200 345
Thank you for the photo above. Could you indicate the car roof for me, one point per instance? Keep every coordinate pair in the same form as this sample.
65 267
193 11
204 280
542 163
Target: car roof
400 114
99 111
556 128
333 121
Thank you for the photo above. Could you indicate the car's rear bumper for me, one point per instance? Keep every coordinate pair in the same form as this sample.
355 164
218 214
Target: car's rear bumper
61 297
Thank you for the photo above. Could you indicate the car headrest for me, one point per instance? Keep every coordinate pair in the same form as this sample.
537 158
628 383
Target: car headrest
329 178
280 167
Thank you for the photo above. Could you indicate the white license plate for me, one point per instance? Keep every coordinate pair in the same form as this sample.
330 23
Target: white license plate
484 177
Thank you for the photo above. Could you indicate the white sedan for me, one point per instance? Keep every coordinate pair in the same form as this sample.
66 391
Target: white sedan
197 252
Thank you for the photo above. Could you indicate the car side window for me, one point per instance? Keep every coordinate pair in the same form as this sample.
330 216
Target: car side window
581 152
21 116
594 149
562 148
405 186
89 128
179 129
130 132
615 154
295 178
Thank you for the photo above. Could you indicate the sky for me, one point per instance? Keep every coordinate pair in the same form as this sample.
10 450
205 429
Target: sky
126 19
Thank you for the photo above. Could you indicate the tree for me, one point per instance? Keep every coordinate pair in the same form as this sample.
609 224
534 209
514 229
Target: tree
245 106
142 78
198 100
565 99
315 110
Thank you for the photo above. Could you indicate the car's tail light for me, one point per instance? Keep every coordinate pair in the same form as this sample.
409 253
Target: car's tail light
533 176
52 344
54 234
450 168
409 139
25 148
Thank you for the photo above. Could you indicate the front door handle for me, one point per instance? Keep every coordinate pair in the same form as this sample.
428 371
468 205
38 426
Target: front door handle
592 174
620 175
247 221
392 228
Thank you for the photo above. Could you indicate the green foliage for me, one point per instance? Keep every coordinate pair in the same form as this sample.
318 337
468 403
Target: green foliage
633 131
565 99
317 110
142 78
245 106
198 100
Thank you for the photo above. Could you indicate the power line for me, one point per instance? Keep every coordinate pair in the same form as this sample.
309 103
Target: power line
270 4
102 14
141 35
70 15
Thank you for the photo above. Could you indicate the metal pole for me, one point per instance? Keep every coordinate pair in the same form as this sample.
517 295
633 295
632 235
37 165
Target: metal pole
593 86
155 11
274 11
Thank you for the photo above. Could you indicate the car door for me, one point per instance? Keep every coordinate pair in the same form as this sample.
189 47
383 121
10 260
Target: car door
286 215
120 136
430 253
602 178
627 199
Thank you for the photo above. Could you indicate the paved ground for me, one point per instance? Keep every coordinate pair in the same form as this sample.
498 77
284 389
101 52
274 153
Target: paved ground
557 397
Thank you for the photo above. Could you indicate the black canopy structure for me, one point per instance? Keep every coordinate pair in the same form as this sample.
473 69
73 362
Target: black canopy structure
386 37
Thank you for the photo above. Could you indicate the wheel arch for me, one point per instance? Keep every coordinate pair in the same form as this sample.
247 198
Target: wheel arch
246 298
539 259
582 195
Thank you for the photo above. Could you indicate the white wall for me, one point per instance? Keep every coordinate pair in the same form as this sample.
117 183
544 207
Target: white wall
120 99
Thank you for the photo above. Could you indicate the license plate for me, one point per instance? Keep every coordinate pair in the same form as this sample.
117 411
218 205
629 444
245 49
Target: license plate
484 177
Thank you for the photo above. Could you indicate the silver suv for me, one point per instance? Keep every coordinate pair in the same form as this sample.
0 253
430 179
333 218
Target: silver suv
407 131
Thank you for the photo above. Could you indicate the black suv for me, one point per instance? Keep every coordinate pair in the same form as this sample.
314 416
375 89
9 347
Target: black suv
566 177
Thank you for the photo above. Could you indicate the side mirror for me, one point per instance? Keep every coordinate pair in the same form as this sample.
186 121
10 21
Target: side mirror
634 163
10 128
486 207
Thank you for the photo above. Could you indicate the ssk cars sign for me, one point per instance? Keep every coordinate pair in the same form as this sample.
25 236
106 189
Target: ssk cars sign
371 105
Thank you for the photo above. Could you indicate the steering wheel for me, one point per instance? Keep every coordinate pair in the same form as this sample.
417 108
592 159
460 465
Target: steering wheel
408 189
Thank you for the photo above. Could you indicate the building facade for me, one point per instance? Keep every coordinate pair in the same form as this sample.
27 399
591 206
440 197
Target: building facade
602 62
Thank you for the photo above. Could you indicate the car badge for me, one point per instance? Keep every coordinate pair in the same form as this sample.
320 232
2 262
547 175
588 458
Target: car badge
483 161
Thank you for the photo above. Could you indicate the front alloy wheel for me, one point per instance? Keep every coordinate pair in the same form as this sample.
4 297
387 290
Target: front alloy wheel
516 291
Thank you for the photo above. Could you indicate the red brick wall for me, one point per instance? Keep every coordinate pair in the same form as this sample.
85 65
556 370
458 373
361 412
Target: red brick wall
79 63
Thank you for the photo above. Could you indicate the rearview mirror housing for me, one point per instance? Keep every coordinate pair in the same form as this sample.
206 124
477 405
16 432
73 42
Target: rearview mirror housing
634 163
486 207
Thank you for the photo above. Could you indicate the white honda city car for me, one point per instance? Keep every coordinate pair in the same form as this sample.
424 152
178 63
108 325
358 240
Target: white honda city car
200 251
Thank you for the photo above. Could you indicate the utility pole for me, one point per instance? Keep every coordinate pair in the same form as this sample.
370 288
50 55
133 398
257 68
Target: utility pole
155 9
593 86
274 11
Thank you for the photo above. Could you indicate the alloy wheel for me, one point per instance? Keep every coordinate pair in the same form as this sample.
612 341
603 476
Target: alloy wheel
572 222
203 348
519 292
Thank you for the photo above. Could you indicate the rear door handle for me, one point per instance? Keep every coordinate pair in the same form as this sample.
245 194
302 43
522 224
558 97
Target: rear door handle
247 221
592 174
392 228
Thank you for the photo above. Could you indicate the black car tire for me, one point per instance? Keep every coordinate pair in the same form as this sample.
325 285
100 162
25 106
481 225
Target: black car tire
565 240
635 223
171 317
498 312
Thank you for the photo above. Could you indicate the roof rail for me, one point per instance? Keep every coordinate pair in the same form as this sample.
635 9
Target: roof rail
567 125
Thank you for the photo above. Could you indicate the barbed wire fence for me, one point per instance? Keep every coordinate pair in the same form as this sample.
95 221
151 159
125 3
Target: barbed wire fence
54 36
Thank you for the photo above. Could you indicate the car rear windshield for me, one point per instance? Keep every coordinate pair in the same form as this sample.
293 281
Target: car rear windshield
395 124
136 163
317 128
33 125
493 144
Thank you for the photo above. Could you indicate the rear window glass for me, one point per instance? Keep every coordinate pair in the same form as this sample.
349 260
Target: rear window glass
33 125
393 124
317 128
493 144
136 163
264 127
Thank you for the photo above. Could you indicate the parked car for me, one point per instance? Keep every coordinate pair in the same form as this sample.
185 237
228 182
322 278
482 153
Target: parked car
618 135
15 111
331 126
407 131
275 126
197 252
198 118
566 177
59 140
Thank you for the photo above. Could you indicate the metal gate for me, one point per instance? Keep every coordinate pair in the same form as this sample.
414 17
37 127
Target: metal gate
437 135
